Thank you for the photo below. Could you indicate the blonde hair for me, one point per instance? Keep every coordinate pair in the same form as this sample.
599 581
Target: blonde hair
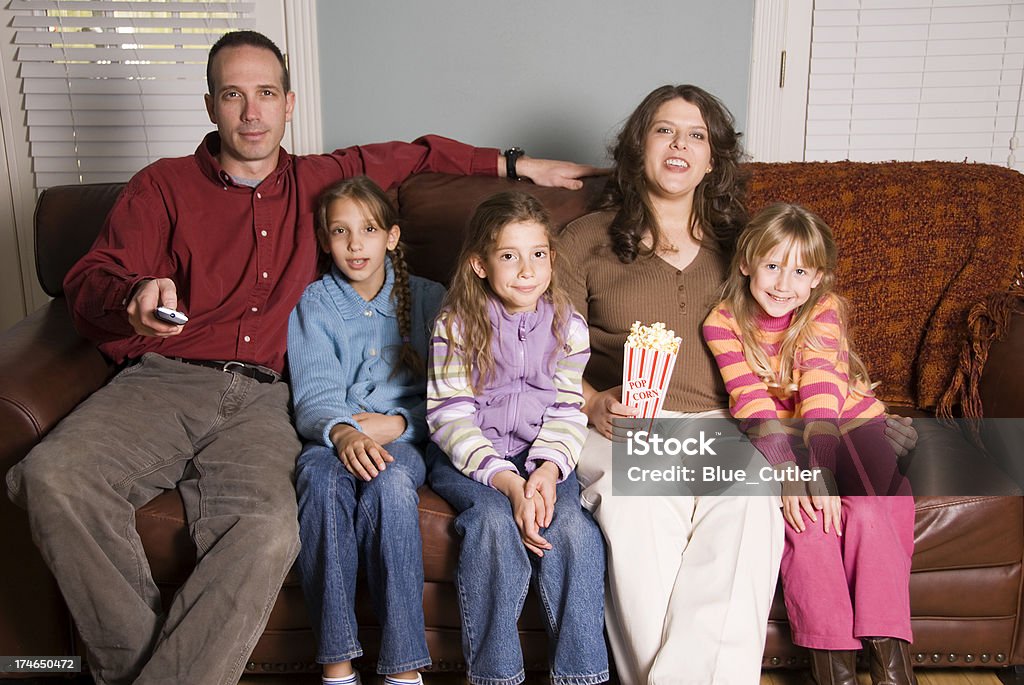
466 304
363 190
804 234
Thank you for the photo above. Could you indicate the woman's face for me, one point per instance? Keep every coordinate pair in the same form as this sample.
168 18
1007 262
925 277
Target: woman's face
677 150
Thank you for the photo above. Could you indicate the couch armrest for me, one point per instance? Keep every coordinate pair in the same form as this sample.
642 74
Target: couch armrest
1002 380
1001 390
46 370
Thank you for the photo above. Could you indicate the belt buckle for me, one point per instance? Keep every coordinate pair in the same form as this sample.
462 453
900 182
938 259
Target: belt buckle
228 367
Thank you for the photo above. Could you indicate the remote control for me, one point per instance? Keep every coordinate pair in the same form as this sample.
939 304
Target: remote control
171 316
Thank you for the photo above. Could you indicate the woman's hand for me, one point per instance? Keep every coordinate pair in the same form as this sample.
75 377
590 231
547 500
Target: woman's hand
901 434
524 511
360 454
552 172
603 407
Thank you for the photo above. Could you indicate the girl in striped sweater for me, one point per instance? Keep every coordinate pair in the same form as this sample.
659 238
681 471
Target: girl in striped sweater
504 398
357 345
780 340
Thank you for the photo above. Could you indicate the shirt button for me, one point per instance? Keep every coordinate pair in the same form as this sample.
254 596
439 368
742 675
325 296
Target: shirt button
258 196
266 275
263 233
373 352
255 309
247 339
368 312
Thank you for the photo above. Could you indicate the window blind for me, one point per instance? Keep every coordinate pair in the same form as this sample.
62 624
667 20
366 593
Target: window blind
110 86
916 80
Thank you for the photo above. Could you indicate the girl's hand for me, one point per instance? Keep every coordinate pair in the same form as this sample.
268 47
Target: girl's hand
831 507
824 499
602 407
901 434
524 512
542 482
794 499
383 428
360 454
791 507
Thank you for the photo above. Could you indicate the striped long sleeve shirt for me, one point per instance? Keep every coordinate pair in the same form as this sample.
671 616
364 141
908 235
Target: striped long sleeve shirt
823 400
534 401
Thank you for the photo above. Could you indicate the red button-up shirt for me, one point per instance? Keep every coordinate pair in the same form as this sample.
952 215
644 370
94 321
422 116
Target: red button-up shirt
240 257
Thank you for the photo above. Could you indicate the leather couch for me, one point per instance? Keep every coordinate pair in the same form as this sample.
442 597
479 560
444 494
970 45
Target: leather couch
920 243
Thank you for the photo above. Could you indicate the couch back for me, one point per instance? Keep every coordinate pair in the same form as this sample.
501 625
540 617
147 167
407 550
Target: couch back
919 244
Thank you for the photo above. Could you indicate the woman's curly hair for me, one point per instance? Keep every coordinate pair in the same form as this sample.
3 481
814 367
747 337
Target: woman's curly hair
719 211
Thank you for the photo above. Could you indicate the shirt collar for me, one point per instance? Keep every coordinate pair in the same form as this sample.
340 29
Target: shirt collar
206 157
767 322
351 304
527 320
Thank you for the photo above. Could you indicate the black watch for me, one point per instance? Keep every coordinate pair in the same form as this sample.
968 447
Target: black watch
511 155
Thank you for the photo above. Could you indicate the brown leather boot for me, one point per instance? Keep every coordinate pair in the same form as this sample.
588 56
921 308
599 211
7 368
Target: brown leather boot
833 666
890 661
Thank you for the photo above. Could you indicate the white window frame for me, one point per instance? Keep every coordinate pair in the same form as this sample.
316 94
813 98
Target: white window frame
294 29
777 117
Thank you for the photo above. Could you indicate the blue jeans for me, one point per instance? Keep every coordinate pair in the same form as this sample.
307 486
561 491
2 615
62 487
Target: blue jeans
494 575
339 514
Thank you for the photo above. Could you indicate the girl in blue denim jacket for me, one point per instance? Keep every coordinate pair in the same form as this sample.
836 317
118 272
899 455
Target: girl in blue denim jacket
357 341
504 403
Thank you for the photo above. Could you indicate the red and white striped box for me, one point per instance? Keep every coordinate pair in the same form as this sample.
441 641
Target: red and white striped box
648 361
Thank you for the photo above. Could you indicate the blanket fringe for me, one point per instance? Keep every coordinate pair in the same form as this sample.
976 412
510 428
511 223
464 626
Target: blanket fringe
987 322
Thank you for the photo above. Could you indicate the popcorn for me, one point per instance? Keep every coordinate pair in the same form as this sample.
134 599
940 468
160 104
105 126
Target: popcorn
653 337
649 358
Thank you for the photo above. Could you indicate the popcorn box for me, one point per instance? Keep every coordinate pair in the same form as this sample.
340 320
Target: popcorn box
649 358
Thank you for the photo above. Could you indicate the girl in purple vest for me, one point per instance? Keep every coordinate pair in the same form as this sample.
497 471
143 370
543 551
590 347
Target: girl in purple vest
504 399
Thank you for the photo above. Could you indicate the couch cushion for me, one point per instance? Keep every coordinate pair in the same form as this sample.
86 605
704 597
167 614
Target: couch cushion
919 244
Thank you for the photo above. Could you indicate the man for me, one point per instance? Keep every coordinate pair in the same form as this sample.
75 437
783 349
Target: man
226 236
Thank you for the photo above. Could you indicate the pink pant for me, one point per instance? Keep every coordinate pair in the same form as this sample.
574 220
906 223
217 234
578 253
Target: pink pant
839 589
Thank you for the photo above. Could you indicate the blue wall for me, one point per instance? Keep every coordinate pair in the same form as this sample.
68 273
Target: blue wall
556 77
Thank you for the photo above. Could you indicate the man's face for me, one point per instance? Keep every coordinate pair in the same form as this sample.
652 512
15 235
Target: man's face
250 108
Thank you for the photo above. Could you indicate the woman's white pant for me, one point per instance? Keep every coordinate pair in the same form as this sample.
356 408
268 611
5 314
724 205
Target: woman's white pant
690 579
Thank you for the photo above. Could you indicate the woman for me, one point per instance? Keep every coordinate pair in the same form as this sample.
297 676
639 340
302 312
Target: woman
690 579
